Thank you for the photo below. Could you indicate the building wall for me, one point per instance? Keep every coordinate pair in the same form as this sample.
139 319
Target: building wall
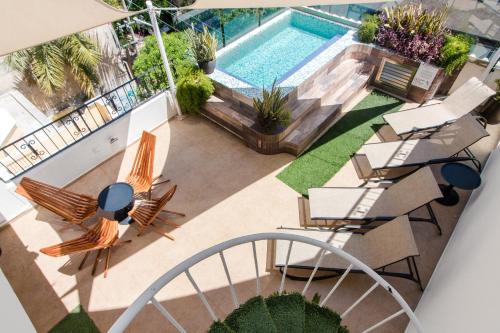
463 293
86 154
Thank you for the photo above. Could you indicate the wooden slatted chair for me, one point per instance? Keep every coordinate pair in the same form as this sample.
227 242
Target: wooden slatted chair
73 207
103 236
147 212
141 176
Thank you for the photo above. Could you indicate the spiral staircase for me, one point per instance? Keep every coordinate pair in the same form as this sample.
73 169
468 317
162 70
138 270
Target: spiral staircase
282 311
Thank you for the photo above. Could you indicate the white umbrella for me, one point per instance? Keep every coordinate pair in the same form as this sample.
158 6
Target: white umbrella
27 23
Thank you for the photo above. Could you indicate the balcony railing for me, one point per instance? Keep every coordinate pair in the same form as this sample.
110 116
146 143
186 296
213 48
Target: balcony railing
40 145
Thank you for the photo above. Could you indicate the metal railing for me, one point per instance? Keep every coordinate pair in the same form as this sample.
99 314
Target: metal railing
40 145
148 296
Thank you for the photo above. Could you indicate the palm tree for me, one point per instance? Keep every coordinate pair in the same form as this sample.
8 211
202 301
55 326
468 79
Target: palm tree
47 64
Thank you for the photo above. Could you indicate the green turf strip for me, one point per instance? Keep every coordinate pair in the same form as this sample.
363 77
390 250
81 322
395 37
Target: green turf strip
77 321
287 312
251 317
334 149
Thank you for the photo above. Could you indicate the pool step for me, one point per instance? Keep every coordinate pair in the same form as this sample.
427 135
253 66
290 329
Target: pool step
318 121
223 114
335 79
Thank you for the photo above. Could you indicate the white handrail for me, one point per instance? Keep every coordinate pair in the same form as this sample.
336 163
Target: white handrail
124 320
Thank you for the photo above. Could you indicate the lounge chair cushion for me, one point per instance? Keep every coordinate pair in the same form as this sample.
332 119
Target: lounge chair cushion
387 244
363 203
462 101
445 143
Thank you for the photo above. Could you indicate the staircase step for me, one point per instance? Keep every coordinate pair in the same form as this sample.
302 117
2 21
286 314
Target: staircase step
308 131
334 79
300 109
321 119
348 90
223 110
287 312
251 317
321 320
220 327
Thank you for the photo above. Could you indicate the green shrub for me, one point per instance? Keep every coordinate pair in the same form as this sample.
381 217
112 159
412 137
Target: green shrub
455 52
176 46
193 90
368 29
271 109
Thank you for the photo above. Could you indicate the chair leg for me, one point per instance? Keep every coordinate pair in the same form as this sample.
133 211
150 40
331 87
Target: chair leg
433 218
83 260
106 265
162 232
96 261
173 213
168 222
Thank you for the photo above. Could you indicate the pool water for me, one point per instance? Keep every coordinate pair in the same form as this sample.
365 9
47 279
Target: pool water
279 49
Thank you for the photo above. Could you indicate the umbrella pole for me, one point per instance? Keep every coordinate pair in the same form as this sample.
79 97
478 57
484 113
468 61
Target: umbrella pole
163 55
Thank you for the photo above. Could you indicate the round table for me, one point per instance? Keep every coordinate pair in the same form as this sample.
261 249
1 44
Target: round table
117 198
457 175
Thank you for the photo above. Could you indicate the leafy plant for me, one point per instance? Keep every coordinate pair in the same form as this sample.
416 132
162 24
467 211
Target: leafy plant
413 31
176 46
271 109
46 65
368 29
202 45
193 91
455 52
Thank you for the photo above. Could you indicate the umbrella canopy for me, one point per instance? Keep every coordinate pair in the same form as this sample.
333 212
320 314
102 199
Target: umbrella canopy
27 23
206 4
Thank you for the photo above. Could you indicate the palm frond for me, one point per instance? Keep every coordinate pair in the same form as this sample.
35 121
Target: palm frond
47 67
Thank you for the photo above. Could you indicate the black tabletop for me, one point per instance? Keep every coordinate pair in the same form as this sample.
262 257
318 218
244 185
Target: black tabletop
116 197
461 176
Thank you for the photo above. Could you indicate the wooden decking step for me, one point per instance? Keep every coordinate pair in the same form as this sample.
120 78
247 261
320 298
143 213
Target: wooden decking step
334 79
319 120
223 110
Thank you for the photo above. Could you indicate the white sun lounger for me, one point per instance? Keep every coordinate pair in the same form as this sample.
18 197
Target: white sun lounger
439 147
383 246
362 205
462 101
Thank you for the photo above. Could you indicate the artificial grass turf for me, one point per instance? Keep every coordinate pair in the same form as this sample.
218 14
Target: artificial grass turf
334 149
77 321
220 327
251 317
287 312
322 320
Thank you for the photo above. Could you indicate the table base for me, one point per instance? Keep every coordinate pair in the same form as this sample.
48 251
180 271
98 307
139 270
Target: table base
450 196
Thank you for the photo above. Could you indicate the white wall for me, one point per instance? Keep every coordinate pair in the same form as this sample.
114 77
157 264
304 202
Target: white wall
463 294
86 154
13 318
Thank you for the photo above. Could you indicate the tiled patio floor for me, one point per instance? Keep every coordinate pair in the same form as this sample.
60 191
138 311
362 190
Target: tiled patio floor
226 190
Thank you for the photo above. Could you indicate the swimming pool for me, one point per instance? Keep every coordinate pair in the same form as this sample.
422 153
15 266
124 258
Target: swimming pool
279 49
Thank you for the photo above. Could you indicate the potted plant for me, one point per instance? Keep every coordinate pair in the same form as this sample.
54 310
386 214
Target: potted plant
203 47
273 116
